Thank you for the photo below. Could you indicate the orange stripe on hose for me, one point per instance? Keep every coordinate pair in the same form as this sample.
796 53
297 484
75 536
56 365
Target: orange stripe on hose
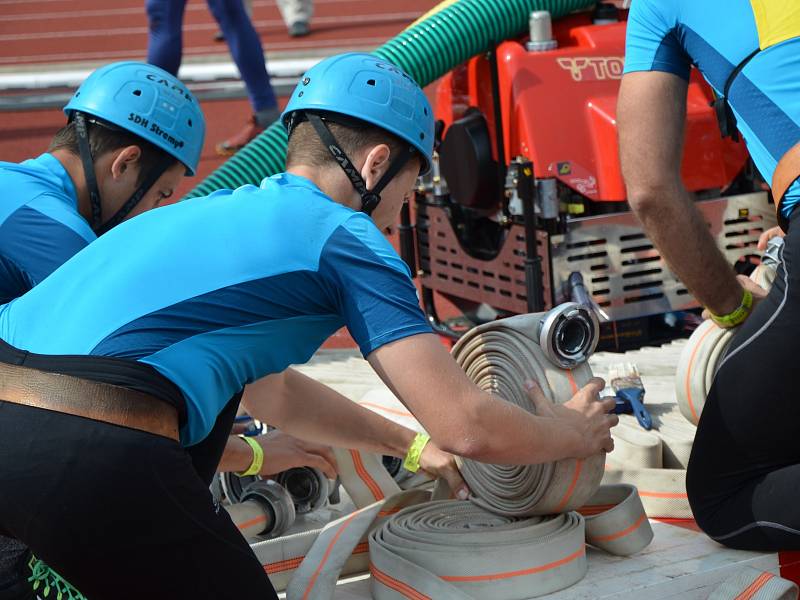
251 522
571 488
753 588
689 374
510 574
677 495
362 472
361 548
623 533
572 383
328 550
398 586
293 563
283 565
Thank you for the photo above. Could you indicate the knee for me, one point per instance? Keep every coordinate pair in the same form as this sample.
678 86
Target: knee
227 11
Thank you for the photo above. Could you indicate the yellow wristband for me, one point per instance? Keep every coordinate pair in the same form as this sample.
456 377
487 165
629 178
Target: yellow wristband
411 461
258 457
738 316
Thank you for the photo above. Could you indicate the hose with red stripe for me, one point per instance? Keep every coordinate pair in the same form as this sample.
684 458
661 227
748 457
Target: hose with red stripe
491 546
499 357
707 345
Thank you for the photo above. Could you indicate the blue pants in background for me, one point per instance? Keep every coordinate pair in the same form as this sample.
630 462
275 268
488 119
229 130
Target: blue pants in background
165 46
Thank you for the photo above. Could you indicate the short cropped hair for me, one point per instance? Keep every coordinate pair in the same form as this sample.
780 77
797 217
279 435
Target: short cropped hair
305 147
104 139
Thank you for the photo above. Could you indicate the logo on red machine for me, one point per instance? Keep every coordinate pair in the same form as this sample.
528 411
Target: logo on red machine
593 68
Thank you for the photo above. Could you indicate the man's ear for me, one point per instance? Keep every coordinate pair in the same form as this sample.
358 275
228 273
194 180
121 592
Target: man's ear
375 165
126 161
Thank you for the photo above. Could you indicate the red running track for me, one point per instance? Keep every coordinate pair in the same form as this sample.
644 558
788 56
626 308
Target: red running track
60 31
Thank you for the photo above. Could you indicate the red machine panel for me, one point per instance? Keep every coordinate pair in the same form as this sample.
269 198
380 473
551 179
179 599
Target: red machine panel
559 110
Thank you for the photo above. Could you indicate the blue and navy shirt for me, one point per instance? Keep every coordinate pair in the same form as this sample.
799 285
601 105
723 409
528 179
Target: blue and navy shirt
219 291
717 35
40 226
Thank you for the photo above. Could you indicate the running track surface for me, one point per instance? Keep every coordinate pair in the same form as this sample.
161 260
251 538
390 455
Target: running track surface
59 31
53 33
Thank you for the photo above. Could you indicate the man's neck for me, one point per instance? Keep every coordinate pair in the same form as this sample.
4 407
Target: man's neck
74 167
332 182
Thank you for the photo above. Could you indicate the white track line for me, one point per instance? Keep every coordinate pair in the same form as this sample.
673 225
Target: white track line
124 31
369 43
285 68
119 12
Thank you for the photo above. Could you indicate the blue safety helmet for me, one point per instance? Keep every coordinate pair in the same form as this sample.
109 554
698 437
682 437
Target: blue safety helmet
151 104
148 102
366 88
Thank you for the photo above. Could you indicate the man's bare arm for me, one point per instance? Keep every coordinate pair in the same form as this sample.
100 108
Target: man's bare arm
651 117
466 421
310 410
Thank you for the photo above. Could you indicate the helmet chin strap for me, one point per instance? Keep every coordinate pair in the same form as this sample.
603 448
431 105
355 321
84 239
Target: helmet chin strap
87 160
88 169
370 199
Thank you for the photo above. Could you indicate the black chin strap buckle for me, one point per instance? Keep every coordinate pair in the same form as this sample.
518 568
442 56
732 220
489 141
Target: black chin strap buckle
370 199
369 202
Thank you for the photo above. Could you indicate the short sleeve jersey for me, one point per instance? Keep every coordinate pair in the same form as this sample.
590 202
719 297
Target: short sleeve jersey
40 226
715 36
219 291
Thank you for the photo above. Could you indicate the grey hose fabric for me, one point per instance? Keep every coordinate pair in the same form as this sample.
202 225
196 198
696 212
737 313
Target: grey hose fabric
499 357
518 536
700 359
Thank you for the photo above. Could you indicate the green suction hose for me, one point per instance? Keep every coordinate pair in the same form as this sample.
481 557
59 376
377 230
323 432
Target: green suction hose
426 51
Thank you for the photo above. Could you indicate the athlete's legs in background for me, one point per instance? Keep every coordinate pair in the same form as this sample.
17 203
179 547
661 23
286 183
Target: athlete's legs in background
165 43
744 472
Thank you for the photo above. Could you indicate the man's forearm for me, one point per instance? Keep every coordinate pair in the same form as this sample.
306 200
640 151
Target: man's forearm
651 118
237 457
679 232
525 439
309 410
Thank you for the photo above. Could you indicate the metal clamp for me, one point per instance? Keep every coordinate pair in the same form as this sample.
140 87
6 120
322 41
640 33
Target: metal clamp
568 334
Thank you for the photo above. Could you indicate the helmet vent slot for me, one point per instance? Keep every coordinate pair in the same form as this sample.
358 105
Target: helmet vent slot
137 92
371 82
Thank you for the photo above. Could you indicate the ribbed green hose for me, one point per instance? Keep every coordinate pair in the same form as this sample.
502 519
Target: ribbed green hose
426 51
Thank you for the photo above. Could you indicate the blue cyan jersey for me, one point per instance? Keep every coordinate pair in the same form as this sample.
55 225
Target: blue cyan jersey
717 35
40 226
219 291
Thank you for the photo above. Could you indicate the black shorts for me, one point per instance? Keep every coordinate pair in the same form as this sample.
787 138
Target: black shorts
744 473
120 513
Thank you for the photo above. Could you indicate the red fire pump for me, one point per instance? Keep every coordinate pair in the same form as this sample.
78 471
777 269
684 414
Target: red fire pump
526 207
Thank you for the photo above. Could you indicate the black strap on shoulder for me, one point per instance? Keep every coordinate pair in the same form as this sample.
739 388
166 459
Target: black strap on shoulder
164 163
725 116
370 199
88 168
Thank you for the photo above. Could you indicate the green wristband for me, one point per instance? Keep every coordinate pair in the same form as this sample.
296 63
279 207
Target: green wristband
411 461
738 316
258 457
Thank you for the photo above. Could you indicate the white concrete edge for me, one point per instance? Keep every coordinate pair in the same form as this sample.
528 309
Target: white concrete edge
189 73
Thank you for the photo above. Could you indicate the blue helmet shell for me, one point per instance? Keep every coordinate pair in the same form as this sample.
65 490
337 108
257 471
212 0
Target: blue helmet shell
368 88
148 102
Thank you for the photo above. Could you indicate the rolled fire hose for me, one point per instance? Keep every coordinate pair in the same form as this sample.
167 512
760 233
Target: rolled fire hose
484 548
700 359
499 357
655 461
452 33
